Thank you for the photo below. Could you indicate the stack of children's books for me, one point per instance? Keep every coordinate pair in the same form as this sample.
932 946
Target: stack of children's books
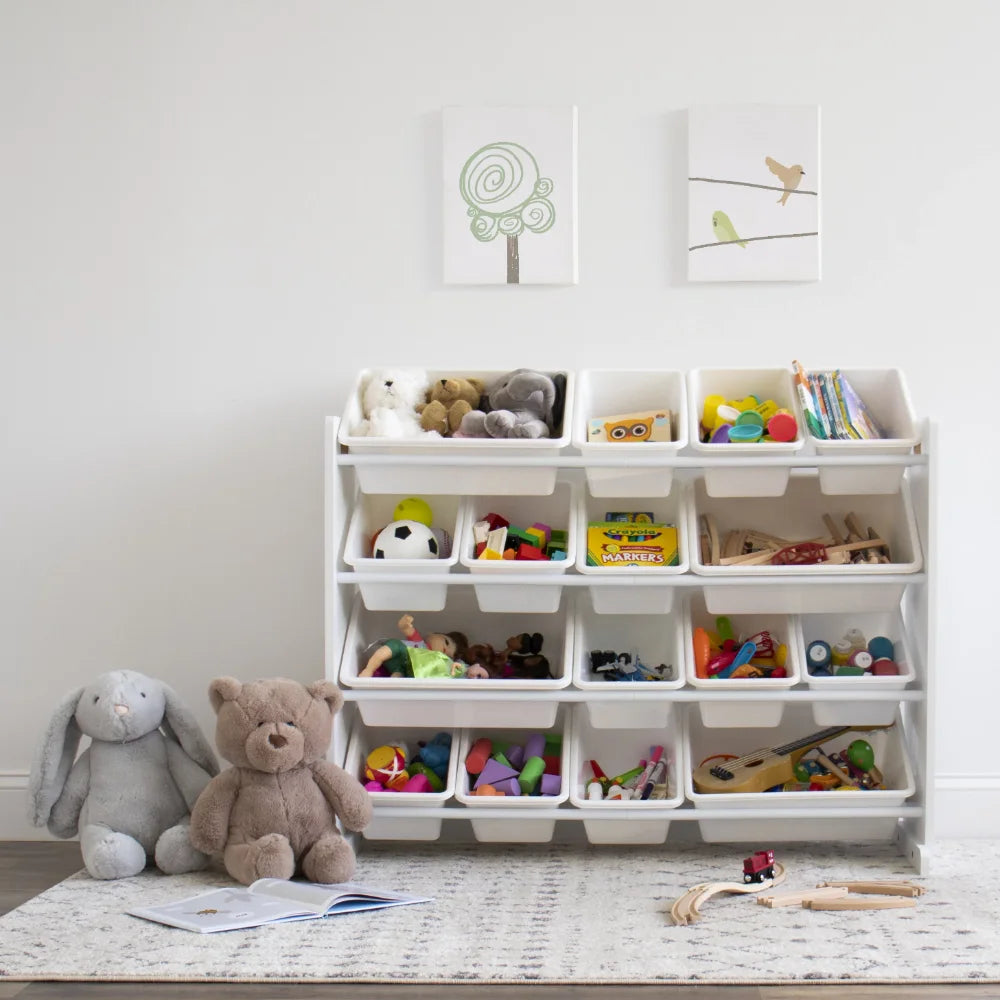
832 409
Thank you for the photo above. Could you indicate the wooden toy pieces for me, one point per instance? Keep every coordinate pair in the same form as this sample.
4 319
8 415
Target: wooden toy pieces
748 547
496 538
773 767
686 909
761 873
842 896
500 768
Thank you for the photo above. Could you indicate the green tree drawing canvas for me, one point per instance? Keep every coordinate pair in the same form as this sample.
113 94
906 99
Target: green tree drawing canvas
509 195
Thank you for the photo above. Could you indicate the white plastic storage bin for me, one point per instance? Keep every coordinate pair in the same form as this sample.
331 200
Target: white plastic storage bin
884 392
768 824
447 703
629 590
415 827
475 473
558 511
742 713
610 393
738 383
512 819
371 513
798 517
617 751
657 639
831 628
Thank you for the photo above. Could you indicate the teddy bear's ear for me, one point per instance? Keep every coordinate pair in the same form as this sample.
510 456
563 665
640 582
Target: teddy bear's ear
223 689
329 692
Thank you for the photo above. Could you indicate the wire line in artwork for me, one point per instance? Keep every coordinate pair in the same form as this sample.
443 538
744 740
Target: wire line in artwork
765 187
752 239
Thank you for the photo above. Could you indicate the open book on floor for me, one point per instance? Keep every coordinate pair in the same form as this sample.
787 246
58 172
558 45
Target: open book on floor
269 901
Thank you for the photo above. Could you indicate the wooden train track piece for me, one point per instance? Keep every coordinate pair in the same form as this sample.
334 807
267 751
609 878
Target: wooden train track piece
831 526
686 909
885 887
802 896
712 530
859 903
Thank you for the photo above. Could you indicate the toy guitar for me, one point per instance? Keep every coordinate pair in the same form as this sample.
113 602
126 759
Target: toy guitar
765 768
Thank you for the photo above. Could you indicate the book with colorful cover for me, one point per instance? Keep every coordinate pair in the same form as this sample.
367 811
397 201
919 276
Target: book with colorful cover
269 901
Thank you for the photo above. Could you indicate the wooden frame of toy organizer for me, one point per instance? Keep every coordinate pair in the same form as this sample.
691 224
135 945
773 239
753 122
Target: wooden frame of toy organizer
913 831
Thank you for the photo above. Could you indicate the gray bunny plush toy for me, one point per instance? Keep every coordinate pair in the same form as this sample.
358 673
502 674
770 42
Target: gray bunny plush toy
130 793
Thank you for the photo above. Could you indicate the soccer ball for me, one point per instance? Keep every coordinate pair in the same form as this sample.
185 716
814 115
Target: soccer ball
406 540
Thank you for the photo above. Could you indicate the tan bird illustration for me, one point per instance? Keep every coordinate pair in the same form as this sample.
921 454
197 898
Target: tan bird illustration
789 176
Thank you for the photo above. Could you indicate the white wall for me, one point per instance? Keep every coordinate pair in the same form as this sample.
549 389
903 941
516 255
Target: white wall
214 213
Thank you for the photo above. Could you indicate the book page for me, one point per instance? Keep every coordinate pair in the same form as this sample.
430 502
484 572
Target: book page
320 898
223 909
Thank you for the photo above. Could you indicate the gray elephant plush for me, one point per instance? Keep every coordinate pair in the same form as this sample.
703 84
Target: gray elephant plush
130 793
521 404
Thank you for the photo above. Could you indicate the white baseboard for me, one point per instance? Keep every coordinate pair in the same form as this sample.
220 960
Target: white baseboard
14 823
966 806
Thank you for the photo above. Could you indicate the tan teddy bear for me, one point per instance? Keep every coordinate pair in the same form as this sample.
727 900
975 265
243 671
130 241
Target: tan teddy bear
448 400
275 811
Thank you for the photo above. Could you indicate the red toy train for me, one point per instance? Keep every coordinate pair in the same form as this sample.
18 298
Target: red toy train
759 866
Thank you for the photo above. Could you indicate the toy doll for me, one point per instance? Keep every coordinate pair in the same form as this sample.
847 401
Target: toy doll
441 654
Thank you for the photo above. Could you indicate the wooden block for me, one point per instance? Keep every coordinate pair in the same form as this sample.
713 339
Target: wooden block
857 903
759 558
801 897
712 530
838 539
886 887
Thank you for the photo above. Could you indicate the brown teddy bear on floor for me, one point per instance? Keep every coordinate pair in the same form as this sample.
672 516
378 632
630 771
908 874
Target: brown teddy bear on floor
275 811
448 400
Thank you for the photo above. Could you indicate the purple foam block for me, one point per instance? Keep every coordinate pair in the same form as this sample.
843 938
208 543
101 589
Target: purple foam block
494 772
534 746
551 784
508 786
516 756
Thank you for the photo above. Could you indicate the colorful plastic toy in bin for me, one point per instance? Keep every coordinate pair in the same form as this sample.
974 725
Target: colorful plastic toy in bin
736 412
401 534
506 777
860 653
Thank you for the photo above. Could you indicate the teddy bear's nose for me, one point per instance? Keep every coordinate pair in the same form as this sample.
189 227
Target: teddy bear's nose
121 709
276 740
388 383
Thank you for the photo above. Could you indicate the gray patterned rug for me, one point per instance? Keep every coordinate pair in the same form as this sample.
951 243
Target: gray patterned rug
543 914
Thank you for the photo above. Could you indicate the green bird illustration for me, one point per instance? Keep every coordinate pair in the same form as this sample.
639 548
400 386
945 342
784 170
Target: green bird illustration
724 230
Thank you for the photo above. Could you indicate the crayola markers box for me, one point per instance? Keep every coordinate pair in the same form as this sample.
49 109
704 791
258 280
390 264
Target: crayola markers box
635 543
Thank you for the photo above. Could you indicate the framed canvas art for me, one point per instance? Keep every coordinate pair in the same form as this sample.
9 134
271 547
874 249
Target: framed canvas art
509 195
753 193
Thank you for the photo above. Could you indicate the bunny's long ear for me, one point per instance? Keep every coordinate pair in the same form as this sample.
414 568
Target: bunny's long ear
54 759
180 723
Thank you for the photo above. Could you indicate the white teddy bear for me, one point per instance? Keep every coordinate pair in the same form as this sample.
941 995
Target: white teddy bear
389 400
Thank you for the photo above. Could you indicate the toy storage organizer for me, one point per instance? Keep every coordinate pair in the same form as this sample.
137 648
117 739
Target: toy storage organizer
567 480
